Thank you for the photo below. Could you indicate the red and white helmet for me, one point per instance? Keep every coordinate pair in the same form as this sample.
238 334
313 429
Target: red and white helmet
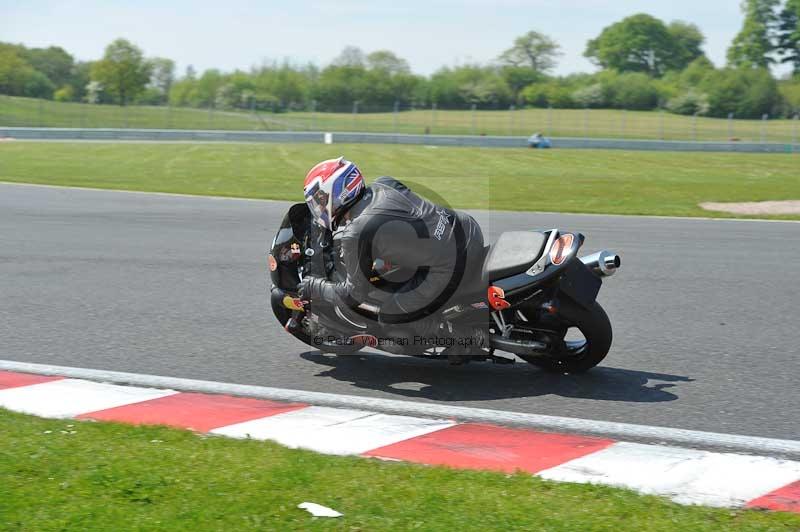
330 188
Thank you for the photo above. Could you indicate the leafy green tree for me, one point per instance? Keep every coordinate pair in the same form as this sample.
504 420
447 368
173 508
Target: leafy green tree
469 84
688 43
183 92
386 61
79 79
789 39
632 90
37 85
694 74
754 45
238 90
283 86
65 94
390 80
18 78
339 86
376 81
533 50
747 93
519 77
54 62
162 76
94 92
208 86
480 87
790 92
689 103
13 71
591 96
553 93
350 56
123 71
639 43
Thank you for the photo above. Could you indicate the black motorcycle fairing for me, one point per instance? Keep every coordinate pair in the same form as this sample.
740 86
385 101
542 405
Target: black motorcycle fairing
286 250
579 284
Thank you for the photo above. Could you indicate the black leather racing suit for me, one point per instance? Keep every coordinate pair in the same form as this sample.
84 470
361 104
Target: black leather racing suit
390 222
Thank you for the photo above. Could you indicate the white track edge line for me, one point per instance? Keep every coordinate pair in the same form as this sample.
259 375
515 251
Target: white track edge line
623 431
265 200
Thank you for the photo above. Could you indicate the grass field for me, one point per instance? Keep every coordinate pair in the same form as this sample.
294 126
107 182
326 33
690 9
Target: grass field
585 181
557 122
68 475
31 112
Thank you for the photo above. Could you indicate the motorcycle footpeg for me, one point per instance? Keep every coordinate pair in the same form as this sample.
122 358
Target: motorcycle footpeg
293 323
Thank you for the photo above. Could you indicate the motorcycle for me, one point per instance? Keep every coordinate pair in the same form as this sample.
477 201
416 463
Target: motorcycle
535 293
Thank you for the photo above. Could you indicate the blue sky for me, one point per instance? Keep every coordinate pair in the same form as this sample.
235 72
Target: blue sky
231 34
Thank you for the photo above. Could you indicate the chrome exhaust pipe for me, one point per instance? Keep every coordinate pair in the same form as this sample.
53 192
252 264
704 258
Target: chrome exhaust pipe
603 263
520 347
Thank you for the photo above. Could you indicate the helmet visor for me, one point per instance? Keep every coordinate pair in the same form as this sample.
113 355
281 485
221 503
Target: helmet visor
317 201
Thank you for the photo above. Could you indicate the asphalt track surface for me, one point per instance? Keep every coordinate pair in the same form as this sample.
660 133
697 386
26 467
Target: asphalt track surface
705 312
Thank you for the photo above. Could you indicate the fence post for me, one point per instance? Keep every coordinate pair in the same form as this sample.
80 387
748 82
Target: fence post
473 118
510 120
433 116
730 126
395 112
764 119
586 123
41 113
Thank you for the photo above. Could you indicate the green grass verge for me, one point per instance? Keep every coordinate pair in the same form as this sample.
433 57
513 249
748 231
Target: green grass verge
603 123
587 181
100 476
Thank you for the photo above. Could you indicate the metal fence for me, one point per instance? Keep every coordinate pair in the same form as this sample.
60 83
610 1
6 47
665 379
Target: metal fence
474 120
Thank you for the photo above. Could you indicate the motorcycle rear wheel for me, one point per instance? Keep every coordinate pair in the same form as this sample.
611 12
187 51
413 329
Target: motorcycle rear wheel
594 325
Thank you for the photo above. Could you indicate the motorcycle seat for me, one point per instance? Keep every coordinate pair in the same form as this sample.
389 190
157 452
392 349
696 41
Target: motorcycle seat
513 253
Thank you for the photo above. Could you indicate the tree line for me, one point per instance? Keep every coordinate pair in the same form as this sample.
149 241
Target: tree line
645 63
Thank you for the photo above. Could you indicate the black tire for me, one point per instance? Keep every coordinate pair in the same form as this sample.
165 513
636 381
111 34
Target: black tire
595 327
283 314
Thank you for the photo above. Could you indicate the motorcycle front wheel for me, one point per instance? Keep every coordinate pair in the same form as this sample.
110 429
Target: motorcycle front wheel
283 314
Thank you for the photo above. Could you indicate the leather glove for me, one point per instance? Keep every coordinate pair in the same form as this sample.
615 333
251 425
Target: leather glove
316 288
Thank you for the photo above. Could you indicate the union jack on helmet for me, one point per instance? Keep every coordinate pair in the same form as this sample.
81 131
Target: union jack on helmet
330 188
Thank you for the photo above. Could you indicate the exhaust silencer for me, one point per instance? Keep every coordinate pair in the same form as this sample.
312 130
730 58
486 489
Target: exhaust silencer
603 263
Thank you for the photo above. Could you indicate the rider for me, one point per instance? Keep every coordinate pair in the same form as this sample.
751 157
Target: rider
387 221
